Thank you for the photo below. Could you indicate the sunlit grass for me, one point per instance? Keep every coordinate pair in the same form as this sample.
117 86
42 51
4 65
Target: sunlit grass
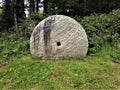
31 73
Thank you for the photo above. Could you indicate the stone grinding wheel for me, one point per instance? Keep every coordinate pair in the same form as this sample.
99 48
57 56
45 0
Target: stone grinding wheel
58 36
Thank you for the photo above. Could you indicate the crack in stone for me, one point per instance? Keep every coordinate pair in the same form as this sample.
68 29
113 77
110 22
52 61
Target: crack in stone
47 36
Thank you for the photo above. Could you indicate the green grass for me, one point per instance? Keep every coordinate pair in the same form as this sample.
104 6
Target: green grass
30 73
26 72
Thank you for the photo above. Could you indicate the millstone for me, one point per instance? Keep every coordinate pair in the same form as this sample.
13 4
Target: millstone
58 36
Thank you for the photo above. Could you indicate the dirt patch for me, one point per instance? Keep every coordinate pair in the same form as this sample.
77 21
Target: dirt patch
117 61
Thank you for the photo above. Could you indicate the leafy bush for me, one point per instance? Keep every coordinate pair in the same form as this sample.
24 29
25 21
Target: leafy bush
116 53
101 29
37 16
16 42
13 46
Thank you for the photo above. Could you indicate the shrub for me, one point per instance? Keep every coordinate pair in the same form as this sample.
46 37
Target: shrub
16 42
101 29
13 46
37 16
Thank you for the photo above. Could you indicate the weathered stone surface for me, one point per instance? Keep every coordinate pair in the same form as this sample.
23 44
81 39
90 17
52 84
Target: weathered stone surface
58 36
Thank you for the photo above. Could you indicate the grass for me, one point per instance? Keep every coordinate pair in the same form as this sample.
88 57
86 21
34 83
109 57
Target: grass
27 72
31 73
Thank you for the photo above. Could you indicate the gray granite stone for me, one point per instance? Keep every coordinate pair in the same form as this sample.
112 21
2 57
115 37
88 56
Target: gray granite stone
58 36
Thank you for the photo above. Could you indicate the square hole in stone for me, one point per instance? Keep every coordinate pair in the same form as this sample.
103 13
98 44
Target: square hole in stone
58 44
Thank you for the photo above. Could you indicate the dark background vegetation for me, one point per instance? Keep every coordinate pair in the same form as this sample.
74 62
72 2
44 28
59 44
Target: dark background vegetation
13 10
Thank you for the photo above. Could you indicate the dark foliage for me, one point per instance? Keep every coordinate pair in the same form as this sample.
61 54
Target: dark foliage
102 29
79 7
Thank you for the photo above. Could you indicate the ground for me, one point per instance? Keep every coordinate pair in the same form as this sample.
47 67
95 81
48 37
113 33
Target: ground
92 72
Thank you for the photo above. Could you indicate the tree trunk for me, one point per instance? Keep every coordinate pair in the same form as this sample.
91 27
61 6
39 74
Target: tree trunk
45 6
7 17
14 11
85 7
37 5
20 9
32 6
